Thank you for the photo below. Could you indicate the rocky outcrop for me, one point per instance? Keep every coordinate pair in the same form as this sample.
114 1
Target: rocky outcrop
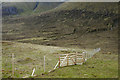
6 11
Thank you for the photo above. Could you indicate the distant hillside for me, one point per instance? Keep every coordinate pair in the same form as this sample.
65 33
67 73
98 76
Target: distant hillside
89 6
83 25
17 8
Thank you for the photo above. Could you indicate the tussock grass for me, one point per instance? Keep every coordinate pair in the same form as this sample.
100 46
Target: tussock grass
29 56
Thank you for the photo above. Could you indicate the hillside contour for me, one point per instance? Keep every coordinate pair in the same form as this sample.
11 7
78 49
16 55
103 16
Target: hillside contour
83 25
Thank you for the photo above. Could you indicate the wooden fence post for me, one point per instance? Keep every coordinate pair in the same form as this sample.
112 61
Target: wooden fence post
13 65
75 58
67 59
83 56
44 63
59 61
86 55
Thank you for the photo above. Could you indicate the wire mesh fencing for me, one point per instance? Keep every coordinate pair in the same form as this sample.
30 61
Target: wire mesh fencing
37 63
91 53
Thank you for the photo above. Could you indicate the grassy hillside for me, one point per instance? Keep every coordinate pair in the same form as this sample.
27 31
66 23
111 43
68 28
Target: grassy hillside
29 56
89 6
71 26
96 67
68 26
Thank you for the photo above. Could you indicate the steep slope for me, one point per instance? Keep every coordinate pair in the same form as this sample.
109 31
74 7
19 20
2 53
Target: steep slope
45 6
83 25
